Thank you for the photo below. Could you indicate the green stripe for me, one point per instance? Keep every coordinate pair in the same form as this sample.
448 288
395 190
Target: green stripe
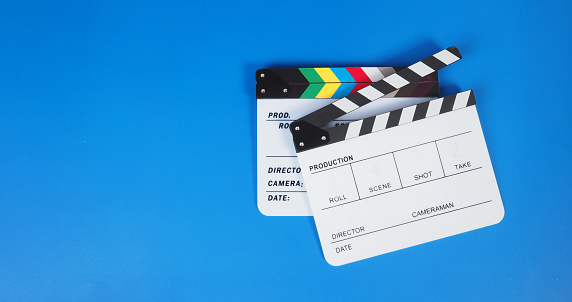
311 75
312 91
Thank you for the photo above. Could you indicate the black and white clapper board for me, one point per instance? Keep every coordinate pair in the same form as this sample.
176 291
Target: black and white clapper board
398 179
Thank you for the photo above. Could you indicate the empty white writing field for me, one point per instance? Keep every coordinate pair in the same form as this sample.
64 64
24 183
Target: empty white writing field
419 164
337 186
376 175
415 214
460 153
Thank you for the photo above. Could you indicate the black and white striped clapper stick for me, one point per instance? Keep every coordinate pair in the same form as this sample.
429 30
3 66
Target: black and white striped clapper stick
306 131
401 116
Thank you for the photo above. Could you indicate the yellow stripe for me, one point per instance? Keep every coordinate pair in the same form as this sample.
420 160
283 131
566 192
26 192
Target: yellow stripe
328 90
327 75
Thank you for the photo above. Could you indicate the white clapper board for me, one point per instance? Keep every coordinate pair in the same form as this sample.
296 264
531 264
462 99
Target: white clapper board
398 179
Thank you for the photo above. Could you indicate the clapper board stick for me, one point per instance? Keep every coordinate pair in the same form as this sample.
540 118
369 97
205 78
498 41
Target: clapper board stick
306 131
334 82
401 116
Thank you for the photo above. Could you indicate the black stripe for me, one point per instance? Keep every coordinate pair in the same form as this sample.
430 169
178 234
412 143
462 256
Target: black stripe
393 119
323 115
472 100
383 86
448 103
358 99
409 75
290 75
295 91
277 91
434 63
420 111
455 51
367 125
338 133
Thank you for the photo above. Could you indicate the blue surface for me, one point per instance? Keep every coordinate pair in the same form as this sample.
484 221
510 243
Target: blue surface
127 149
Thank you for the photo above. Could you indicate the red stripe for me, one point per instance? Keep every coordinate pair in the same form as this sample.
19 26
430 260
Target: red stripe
358 74
359 86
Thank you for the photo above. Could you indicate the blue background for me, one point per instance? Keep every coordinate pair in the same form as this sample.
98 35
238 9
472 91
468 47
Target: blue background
128 149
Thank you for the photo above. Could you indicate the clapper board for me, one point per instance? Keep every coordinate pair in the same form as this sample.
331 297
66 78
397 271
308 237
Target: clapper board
397 179
286 94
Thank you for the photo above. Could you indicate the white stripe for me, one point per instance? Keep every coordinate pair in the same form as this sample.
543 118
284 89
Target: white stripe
373 73
353 129
446 57
434 107
370 93
421 69
346 105
380 122
396 81
461 100
407 115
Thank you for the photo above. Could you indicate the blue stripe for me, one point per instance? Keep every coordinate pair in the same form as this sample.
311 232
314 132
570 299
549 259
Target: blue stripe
344 90
343 75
